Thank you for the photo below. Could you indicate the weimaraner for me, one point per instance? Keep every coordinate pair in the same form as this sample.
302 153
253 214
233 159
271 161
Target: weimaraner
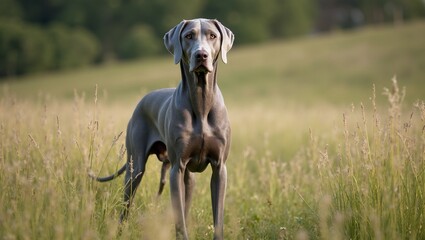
186 126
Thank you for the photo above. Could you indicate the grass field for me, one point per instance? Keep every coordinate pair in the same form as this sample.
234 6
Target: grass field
320 149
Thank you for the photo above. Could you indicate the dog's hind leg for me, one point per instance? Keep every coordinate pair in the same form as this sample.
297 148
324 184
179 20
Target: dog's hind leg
133 177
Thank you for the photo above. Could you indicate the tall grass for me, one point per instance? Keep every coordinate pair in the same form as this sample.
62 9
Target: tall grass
45 190
361 177
373 181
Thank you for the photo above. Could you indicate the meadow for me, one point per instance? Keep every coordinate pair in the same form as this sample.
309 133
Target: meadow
328 143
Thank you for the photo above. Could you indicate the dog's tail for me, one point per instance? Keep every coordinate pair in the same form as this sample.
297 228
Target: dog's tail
108 178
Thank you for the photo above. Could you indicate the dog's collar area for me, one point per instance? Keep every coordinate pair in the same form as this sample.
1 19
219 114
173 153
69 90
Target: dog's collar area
201 76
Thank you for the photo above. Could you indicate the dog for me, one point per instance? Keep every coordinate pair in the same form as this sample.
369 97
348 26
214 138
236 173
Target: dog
186 127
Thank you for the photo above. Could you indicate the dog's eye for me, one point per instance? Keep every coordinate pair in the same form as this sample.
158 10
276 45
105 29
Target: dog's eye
213 36
189 36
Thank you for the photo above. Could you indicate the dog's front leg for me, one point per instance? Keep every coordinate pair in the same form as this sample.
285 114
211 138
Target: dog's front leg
218 191
177 188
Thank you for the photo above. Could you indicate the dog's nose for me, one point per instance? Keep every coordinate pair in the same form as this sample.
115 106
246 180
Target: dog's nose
201 55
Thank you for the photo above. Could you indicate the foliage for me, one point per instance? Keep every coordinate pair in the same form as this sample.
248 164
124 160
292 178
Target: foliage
294 18
72 47
23 48
10 9
139 42
124 29
27 48
248 20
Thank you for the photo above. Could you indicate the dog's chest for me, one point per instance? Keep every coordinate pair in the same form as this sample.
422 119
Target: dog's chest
201 145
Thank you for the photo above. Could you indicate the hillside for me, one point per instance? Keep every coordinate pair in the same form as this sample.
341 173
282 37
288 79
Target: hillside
336 68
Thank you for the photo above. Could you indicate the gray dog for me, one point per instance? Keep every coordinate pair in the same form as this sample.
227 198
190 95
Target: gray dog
186 127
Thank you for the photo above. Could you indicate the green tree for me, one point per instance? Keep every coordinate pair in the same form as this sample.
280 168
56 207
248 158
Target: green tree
293 17
248 19
72 47
24 48
377 11
10 9
139 42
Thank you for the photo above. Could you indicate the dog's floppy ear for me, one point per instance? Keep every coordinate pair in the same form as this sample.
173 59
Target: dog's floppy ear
172 41
227 38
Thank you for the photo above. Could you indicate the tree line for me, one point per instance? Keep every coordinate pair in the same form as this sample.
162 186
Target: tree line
37 35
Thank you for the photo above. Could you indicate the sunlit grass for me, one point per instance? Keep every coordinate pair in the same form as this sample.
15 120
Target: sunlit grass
374 180
358 175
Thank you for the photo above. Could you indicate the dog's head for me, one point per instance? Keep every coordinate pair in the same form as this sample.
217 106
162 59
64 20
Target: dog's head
199 42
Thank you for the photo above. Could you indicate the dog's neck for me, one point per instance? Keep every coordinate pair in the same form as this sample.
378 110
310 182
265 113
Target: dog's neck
200 88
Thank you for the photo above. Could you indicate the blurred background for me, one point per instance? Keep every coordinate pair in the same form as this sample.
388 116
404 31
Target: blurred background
48 35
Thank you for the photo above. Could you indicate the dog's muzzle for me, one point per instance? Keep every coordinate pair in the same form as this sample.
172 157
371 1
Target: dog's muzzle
201 62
